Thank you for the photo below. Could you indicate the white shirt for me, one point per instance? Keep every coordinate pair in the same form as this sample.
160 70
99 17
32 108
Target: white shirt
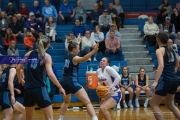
87 42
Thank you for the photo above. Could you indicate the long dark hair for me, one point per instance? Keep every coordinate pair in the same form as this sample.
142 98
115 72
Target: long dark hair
48 21
102 7
10 35
164 3
72 45
163 37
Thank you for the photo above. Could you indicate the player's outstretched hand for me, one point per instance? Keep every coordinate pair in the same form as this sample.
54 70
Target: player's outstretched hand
96 47
62 91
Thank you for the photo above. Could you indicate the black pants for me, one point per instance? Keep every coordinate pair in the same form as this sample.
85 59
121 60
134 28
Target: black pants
2 33
102 46
17 3
151 39
56 4
121 15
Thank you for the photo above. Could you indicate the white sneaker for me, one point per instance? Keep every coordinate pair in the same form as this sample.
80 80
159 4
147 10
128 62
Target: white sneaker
118 106
89 60
95 60
124 104
146 103
137 103
130 104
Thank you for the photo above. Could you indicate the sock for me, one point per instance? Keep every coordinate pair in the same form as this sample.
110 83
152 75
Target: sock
147 99
130 100
61 117
123 100
94 118
136 99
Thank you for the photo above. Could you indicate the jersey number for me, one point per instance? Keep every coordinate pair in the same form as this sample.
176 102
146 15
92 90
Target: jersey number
3 77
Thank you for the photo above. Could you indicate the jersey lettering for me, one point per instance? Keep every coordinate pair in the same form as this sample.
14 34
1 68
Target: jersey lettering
3 77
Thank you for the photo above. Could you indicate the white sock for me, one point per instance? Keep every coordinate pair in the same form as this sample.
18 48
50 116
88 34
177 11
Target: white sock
136 99
61 117
124 101
147 99
94 118
130 100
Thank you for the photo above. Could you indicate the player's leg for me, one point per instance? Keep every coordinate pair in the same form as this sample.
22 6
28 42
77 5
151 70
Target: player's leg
21 109
8 113
29 113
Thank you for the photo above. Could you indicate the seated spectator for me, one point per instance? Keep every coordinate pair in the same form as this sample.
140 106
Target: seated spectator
88 45
2 52
50 29
113 46
125 85
16 28
105 21
20 20
10 11
66 12
18 88
161 17
178 6
49 11
36 10
166 6
94 17
120 11
28 40
4 23
8 38
150 31
24 11
34 24
175 19
98 36
17 3
177 41
171 28
142 83
113 28
80 12
101 7
40 33
78 29
12 50
114 14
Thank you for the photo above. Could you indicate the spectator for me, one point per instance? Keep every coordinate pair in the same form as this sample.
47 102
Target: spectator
16 28
17 3
4 23
101 7
88 45
175 19
161 17
94 17
2 52
10 11
98 36
171 28
49 11
166 6
36 10
178 6
113 45
150 31
142 83
20 20
114 14
105 21
80 12
23 10
18 88
50 29
8 38
34 25
78 29
12 50
28 40
56 3
177 41
113 28
120 11
40 33
66 12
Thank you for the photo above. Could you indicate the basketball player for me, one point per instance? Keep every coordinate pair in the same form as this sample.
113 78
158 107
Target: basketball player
105 74
166 81
70 80
125 85
35 86
8 102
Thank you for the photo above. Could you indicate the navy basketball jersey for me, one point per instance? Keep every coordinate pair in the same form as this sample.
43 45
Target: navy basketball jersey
125 80
70 69
141 82
36 72
168 72
4 79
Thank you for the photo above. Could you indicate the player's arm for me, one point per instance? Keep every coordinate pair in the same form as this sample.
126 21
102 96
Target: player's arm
147 81
120 82
137 85
130 80
176 63
12 73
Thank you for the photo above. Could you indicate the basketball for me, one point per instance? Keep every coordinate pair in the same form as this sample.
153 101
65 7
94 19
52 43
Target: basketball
102 91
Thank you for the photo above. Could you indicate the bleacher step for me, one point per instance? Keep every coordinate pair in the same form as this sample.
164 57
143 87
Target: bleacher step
138 61
136 54
130 36
132 48
131 42
135 68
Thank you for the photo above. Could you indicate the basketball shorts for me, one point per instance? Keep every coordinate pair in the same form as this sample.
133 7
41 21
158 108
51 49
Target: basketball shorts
70 85
37 96
118 97
5 100
165 87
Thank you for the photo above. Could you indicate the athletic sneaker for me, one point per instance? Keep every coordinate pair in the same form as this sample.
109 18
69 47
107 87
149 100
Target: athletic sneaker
146 103
130 104
118 106
124 104
137 103
95 60
89 60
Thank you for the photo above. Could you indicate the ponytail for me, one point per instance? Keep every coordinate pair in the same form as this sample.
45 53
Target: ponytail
168 49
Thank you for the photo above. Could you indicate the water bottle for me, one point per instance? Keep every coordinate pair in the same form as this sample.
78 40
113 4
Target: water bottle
91 69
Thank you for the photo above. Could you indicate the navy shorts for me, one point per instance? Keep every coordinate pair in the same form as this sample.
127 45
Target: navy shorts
37 96
5 100
165 87
70 85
